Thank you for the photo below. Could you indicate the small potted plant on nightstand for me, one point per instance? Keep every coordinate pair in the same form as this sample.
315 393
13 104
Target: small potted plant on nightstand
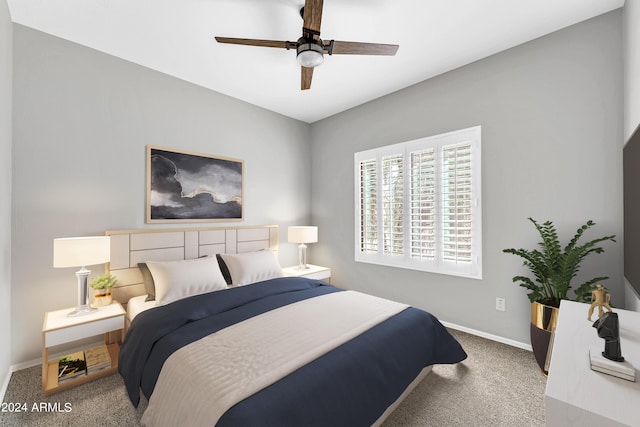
102 289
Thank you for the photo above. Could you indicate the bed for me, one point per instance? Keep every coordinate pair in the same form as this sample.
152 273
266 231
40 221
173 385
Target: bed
229 341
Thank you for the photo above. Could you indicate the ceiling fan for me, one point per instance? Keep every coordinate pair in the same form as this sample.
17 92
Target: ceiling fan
311 48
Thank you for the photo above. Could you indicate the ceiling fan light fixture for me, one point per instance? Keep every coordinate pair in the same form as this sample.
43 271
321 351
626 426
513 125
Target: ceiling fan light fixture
310 54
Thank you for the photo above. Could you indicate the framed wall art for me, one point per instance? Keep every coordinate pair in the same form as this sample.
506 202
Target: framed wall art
190 187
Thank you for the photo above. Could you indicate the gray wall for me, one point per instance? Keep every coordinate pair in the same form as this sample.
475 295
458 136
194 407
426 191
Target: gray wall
551 116
5 190
81 122
631 35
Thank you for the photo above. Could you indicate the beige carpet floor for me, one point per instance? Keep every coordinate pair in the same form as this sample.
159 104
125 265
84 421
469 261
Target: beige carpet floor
498 385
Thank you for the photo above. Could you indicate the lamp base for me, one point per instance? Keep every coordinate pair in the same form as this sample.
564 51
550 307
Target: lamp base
302 257
83 307
82 310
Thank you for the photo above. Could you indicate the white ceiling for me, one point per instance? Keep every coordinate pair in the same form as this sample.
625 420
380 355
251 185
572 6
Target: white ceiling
176 38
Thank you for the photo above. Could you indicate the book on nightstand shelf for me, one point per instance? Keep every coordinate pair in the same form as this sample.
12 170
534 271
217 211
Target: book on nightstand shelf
97 358
71 366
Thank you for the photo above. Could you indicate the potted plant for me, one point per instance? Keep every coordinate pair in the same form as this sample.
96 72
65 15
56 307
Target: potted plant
553 267
102 289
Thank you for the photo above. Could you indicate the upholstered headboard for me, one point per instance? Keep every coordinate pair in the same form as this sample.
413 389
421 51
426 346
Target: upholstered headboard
129 247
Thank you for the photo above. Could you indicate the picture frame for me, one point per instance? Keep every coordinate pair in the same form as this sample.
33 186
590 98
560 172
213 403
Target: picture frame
184 186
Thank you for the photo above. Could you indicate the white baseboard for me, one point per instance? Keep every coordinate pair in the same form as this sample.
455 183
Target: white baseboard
24 365
488 336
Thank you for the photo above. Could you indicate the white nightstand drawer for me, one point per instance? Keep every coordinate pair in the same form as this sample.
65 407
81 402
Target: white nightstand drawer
85 330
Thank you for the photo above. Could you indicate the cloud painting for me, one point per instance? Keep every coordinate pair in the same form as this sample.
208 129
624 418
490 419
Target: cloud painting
186 186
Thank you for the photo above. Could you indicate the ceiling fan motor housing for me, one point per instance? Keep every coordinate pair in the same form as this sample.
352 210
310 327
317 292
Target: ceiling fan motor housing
310 52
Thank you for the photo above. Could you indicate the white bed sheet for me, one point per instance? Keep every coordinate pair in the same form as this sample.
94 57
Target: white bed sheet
137 305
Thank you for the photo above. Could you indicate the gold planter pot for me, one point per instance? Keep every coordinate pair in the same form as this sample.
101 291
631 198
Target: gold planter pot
544 319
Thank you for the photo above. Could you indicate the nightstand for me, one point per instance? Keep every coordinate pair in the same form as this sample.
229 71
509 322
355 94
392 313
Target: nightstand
313 272
61 329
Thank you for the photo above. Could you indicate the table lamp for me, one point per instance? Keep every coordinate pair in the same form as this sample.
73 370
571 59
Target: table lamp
302 235
80 252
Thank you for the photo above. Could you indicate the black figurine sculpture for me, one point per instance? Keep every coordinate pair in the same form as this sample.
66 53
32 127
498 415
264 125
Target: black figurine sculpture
609 329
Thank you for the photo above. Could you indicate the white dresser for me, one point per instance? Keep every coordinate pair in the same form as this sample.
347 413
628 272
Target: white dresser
578 396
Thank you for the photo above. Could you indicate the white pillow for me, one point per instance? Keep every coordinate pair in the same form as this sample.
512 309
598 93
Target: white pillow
251 267
175 280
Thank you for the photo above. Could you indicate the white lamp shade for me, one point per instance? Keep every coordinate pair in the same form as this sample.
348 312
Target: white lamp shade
303 234
81 251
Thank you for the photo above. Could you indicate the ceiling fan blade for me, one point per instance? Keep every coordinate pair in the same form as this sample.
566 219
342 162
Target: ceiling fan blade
307 74
254 42
335 47
313 15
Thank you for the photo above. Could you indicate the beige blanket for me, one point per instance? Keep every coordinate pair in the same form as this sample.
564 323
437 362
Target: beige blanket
202 380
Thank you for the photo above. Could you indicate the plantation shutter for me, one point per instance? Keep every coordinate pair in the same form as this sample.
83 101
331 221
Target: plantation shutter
368 206
456 202
423 204
393 205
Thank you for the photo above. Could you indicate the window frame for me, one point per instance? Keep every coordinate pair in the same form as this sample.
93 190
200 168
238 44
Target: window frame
471 269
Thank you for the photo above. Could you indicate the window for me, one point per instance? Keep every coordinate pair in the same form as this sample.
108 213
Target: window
418 204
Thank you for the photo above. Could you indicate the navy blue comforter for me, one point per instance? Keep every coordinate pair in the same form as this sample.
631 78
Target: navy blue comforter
349 386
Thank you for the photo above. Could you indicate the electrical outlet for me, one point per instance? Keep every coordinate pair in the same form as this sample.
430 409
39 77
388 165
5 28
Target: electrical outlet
501 304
